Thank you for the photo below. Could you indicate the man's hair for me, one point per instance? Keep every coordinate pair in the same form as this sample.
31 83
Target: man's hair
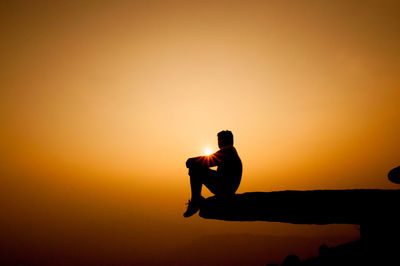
226 137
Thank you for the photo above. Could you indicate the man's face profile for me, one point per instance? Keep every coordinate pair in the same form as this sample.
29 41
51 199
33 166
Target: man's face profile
225 138
220 141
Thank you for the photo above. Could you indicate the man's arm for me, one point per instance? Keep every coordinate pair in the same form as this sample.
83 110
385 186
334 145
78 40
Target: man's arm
205 161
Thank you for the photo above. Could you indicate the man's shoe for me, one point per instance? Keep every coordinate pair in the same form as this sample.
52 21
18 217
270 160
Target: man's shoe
193 207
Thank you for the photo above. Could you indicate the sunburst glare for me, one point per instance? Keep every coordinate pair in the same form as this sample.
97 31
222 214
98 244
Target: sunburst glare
207 151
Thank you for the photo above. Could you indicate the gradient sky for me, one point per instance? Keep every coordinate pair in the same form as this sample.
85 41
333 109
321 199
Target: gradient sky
102 102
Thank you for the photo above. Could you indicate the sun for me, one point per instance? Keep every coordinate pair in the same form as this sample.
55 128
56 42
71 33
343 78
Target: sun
207 151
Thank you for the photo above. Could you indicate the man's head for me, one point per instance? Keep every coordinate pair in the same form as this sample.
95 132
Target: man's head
225 138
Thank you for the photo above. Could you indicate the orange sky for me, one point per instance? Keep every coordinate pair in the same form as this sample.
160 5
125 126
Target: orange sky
104 101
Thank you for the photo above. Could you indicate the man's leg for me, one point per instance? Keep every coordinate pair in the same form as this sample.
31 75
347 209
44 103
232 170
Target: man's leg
221 186
196 182
198 177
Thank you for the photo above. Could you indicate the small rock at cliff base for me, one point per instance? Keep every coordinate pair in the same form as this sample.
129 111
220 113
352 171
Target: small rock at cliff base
394 175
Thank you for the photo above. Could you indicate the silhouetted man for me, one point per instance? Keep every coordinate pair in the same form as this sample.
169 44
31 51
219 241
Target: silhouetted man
224 182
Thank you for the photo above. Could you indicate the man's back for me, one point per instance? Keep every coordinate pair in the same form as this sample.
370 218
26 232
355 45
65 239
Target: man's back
229 165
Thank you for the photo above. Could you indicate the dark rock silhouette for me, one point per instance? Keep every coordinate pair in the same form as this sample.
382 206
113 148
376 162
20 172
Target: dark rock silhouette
291 260
394 175
345 254
376 211
306 207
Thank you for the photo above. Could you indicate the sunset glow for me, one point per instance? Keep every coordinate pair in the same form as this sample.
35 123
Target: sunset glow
207 151
102 103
